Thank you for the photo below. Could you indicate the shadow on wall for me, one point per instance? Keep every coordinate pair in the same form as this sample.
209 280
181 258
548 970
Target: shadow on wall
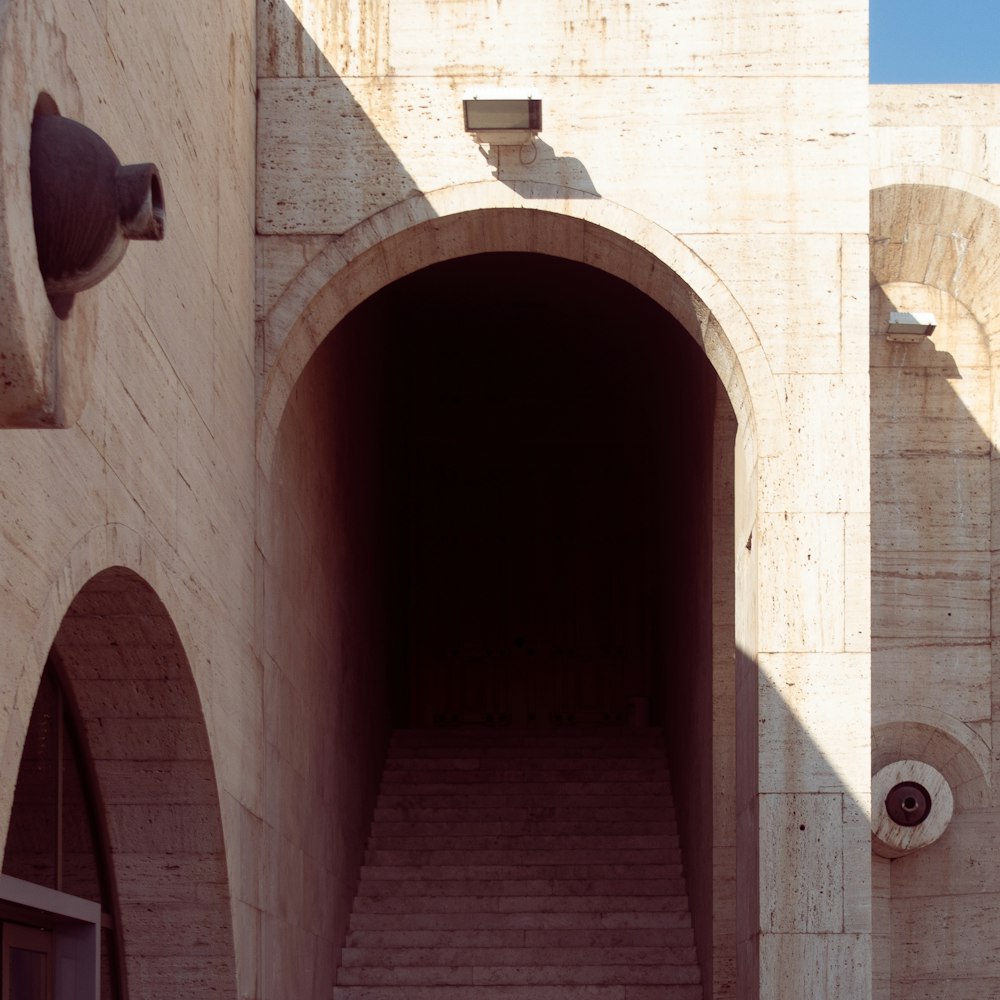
322 168
511 166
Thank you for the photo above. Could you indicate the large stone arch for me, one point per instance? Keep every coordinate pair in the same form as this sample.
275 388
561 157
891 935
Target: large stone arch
489 217
129 682
539 218
938 227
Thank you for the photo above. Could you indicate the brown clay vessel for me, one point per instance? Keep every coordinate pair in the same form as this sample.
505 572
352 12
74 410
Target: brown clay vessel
86 207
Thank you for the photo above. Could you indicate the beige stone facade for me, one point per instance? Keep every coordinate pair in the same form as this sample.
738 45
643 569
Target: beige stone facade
215 519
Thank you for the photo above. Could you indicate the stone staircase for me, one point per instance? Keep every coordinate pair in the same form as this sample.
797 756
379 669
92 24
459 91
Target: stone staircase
522 865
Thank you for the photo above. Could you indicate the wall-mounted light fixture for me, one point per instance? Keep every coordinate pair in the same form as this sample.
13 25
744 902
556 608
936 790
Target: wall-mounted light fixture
912 805
910 328
502 116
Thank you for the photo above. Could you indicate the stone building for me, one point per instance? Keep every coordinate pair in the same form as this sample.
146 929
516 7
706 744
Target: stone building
602 431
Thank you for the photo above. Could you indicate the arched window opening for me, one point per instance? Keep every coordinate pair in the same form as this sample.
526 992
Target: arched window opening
56 906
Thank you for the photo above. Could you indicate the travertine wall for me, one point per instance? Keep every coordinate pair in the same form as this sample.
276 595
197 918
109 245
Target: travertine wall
158 473
716 155
712 153
935 217
710 119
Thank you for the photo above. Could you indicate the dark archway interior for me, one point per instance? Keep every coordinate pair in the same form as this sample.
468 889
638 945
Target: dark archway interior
492 503
545 466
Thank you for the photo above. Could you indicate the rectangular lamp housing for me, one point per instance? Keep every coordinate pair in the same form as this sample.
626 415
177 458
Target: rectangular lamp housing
502 117
910 327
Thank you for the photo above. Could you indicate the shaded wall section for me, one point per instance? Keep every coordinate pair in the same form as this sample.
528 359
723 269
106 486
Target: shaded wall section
696 658
325 702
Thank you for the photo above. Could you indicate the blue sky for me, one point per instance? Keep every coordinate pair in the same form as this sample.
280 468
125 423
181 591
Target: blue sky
935 41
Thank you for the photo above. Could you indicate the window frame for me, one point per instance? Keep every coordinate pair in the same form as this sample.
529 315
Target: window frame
75 928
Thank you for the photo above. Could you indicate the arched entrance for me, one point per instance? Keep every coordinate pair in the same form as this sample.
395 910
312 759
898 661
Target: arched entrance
365 603
139 743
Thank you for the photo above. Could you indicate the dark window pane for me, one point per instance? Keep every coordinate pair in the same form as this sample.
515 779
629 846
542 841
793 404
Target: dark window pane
30 853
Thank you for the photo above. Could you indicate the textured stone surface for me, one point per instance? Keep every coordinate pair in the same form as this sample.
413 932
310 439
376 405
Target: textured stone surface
155 369
718 157
934 220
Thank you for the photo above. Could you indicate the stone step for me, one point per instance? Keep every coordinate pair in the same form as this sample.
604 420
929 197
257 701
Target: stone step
547 812
449 760
572 765
532 772
563 992
531 937
551 903
378 888
578 920
518 787
455 956
570 759
563 804
587 841
433 873
528 975
512 856
552 748
522 865
520 828
496 739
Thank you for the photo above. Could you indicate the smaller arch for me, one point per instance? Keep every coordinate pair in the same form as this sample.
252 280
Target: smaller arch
100 548
938 227
130 684
128 679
